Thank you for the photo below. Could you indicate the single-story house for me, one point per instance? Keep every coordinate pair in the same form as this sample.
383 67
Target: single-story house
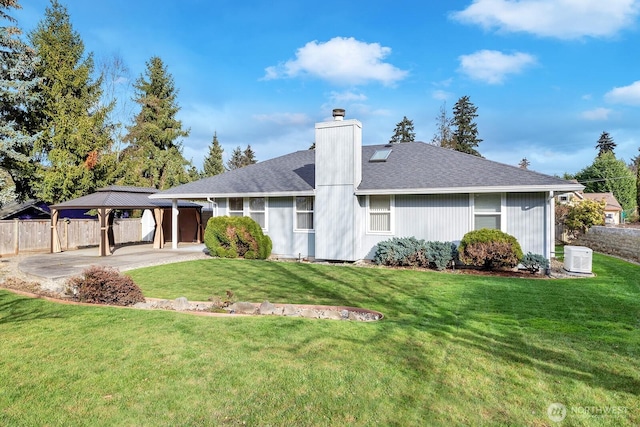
612 209
339 201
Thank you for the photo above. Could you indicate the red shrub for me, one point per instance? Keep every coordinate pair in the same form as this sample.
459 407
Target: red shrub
103 285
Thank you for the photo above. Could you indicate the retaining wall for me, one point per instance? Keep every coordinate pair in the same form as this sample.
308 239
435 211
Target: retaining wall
622 242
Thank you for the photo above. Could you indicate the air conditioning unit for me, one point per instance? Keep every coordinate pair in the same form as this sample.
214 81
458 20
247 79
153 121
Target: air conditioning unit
577 259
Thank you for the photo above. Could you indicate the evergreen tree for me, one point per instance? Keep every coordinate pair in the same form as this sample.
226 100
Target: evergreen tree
154 156
524 163
73 131
249 156
237 159
605 144
403 132
465 134
444 135
241 158
17 82
213 164
608 174
637 163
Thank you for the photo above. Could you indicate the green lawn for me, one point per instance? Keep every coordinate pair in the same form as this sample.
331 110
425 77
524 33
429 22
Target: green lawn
453 349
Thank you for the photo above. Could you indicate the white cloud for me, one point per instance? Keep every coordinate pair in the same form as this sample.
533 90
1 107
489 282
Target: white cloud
441 95
286 119
597 114
492 66
564 19
629 95
348 96
340 60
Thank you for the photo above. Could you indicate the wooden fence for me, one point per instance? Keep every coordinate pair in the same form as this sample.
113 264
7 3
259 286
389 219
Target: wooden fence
33 235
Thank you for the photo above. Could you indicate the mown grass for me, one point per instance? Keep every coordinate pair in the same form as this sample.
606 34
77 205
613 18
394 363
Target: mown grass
452 350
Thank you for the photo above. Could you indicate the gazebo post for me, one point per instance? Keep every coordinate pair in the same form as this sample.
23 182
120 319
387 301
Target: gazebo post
174 224
158 235
55 239
104 243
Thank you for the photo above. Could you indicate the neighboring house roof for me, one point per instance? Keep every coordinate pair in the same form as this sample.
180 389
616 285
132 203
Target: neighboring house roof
30 208
610 200
120 197
411 168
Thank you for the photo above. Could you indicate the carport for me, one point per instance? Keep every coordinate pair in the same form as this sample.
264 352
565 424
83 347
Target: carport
108 199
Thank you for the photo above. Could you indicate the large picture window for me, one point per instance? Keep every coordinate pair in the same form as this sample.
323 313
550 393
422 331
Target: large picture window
304 213
257 209
380 214
487 211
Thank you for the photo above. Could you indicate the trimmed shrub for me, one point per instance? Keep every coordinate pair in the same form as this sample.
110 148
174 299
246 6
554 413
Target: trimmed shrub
411 252
233 237
534 262
489 249
440 254
104 285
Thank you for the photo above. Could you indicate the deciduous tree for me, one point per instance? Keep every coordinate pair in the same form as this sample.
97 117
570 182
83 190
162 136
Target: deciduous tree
465 133
444 135
403 132
524 163
608 174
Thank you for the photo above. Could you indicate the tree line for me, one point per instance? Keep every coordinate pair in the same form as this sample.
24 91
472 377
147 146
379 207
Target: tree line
59 134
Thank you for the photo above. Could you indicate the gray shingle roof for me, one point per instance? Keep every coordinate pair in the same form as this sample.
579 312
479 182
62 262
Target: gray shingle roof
120 197
412 167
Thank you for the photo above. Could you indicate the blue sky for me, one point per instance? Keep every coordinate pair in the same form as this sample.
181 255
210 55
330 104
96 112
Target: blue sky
547 76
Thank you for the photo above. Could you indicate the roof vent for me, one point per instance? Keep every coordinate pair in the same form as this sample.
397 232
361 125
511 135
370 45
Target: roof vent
338 114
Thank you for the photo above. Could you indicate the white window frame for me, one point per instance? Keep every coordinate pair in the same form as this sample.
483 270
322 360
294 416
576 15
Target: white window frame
230 211
295 216
502 214
392 205
246 209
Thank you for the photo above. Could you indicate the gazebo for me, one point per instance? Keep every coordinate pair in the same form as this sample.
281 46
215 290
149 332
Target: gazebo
108 199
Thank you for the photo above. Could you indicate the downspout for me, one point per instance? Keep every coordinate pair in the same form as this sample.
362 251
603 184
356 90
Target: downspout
552 226
174 224
214 212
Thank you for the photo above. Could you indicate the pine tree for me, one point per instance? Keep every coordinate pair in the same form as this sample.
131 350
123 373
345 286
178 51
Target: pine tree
17 82
71 121
213 164
605 144
524 163
444 135
403 132
249 156
154 156
465 134
237 159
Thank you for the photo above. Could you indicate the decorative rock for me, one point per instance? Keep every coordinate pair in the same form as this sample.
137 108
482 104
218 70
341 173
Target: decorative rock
181 304
332 314
289 310
243 308
344 314
267 308
310 314
164 304
143 305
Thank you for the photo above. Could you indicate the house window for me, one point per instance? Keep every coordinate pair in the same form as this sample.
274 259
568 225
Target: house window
487 209
257 209
236 206
304 213
380 214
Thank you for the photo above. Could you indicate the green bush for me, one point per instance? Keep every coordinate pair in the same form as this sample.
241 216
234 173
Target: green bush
411 252
534 262
490 249
104 285
233 237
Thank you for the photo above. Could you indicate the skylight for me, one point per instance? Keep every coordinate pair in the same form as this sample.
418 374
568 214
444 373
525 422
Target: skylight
380 155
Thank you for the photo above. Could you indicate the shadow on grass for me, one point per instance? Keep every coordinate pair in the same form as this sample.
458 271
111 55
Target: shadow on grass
23 309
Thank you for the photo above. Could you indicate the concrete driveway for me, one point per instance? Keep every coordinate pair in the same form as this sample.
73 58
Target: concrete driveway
71 263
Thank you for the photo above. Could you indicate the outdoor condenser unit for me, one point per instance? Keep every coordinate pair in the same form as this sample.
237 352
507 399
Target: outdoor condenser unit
577 259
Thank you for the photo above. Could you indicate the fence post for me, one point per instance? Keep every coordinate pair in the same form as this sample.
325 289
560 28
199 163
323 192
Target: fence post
16 236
